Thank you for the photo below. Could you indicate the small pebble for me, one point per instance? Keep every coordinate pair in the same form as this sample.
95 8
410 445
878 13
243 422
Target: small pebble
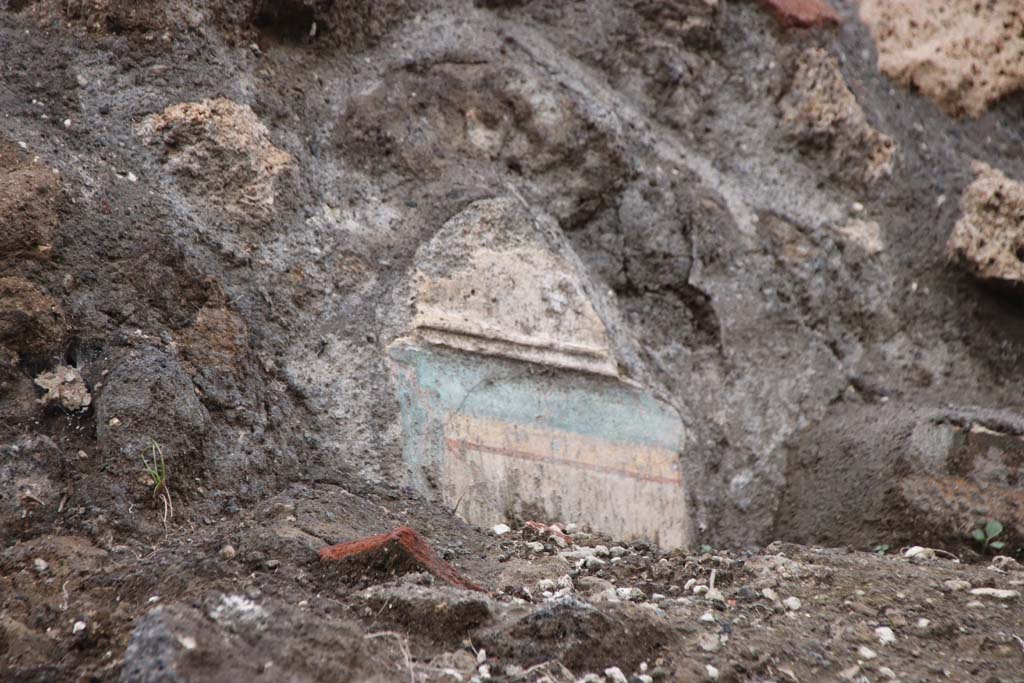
1006 564
615 675
923 623
40 565
78 627
501 529
709 642
712 672
690 583
954 585
228 552
707 617
792 603
769 594
886 636
997 593
866 652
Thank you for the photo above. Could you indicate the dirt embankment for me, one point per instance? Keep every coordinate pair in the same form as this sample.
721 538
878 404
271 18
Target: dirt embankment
291 273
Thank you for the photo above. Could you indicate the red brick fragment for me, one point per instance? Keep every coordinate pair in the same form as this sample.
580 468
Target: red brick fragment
402 546
802 13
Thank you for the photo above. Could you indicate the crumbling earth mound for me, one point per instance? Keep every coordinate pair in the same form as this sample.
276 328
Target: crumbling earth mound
282 275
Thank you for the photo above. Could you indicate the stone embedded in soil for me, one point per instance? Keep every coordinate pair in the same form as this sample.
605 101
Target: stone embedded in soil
583 637
233 643
31 321
802 13
398 551
866 234
65 387
149 397
444 614
988 239
28 205
220 152
962 54
997 593
821 113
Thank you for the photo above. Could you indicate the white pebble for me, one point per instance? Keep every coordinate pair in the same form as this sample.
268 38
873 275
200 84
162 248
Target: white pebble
501 529
78 627
67 123
997 593
923 623
885 635
40 565
866 652
690 583
615 674
955 585
481 656
792 603
707 617
769 594
712 672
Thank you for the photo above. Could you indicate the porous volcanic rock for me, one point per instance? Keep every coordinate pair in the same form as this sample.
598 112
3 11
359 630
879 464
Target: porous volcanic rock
963 55
989 237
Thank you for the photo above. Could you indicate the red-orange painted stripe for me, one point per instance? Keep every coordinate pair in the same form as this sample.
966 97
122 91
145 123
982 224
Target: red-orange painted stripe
461 445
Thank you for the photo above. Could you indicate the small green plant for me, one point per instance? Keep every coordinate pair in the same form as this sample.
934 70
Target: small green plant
156 468
986 534
706 549
881 549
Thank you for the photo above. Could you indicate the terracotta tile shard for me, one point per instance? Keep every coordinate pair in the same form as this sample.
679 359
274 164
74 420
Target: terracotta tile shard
402 549
803 13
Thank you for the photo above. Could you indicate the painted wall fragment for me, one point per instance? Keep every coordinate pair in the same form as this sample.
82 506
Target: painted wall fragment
512 404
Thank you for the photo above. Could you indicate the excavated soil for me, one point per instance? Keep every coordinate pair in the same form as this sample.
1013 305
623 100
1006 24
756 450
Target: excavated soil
210 215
